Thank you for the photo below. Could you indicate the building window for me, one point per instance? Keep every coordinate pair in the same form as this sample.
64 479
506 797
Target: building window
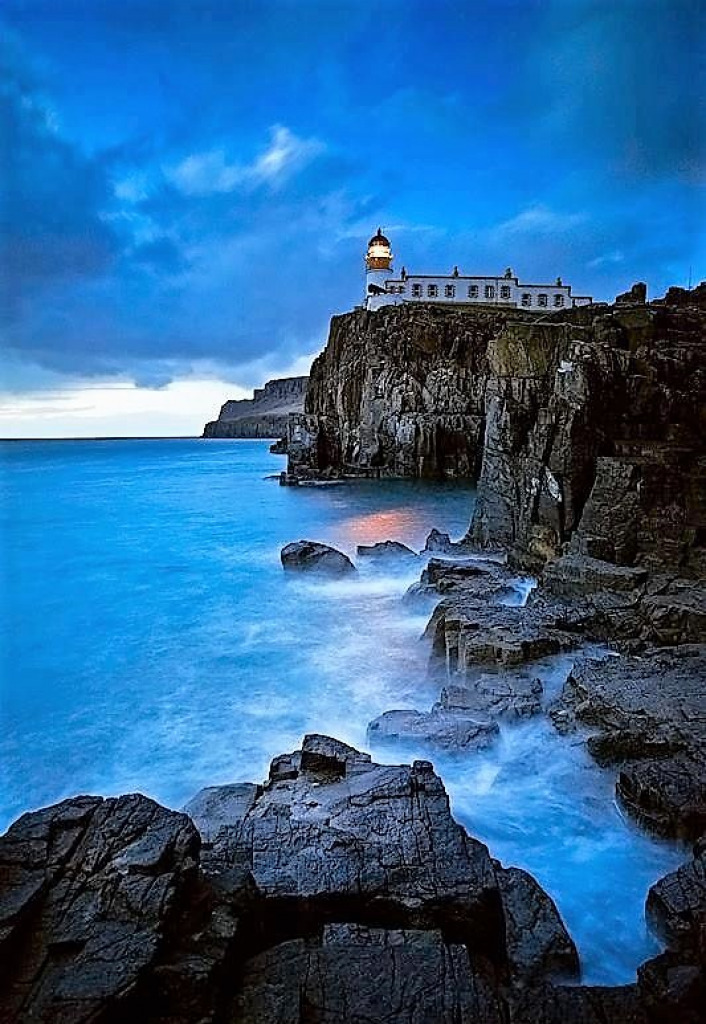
450 291
504 291
401 289
490 291
558 300
473 291
432 290
542 299
526 299
417 291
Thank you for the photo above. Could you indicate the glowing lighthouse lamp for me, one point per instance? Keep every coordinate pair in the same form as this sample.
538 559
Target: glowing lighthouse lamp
378 267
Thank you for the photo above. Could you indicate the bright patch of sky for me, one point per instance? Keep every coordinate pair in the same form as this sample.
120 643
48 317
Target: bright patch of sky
188 185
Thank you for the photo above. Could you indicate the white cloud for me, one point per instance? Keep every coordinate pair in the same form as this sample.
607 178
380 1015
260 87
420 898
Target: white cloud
212 172
99 410
539 220
607 259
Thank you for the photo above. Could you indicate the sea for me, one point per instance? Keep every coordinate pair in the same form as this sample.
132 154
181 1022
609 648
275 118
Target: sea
150 641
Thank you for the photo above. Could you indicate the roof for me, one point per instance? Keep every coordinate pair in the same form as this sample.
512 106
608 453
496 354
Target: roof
379 239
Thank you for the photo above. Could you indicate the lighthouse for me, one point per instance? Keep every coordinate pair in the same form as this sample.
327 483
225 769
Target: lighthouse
378 268
382 288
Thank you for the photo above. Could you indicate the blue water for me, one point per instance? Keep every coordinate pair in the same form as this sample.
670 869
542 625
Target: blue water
150 641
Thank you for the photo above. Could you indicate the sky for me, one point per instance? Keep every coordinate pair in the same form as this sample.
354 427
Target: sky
187 187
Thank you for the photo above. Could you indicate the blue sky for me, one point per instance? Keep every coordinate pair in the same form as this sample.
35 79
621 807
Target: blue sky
188 185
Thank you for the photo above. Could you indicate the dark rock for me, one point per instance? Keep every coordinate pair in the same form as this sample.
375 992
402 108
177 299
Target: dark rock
88 889
672 990
441 544
348 840
636 296
578 575
388 550
667 796
216 806
439 728
263 415
468 634
311 556
507 695
468 578
354 974
364 835
587 1004
676 907
538 944
649 710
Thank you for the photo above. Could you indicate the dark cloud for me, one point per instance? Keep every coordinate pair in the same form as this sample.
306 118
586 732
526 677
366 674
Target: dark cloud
51 196
203 192
624 84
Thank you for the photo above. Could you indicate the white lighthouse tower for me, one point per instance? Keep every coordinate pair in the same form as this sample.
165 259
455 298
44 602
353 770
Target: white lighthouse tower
378 270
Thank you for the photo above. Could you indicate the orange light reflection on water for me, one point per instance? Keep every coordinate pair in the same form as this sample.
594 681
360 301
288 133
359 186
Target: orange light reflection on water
391 524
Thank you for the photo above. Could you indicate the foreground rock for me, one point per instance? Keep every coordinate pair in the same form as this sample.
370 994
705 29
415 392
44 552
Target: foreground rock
311 556
88 889
340 890
357 974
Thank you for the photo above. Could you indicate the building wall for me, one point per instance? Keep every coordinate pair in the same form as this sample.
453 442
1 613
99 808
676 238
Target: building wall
500 291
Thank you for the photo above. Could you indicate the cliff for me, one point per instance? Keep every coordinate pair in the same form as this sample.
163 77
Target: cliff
584 426
398 392
594 437
263 415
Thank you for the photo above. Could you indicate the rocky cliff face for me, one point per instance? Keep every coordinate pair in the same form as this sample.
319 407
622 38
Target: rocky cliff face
263 415
583 426
594 435
396 393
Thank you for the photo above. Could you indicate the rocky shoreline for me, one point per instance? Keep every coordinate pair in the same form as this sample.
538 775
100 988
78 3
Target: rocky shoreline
342 890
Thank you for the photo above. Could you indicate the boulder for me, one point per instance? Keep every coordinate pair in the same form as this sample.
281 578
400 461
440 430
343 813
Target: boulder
311 556
538 945
89 889
442 729
387 550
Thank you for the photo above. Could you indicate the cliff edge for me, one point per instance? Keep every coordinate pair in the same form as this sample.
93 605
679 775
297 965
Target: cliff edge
582 426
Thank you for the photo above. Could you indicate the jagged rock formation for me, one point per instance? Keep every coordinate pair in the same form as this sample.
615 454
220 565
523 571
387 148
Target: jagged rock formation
340 888
595 427
339 891
396 393
263 415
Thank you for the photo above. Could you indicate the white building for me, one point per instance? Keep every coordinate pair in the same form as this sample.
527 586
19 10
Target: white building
382 288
